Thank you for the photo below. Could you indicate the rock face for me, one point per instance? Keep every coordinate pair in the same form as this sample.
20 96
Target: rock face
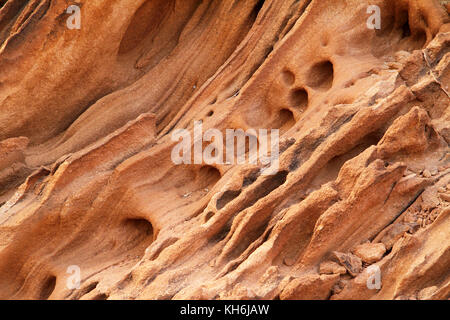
92 206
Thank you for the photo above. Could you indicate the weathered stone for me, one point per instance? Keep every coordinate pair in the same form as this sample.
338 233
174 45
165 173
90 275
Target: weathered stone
331 267
90 122
370 252
352 263
426 173
309 287
426 293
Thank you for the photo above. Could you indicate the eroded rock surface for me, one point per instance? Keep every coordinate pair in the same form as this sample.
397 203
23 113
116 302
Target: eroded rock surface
87 179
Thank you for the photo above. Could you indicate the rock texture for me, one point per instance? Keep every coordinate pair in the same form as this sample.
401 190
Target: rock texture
86 177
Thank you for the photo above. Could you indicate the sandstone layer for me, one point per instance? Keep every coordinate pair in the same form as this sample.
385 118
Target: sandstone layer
87 178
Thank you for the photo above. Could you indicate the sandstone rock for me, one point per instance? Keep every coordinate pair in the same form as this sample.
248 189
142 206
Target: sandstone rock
370 252
426 173
331 267
309 287
352 263
90 118
426 293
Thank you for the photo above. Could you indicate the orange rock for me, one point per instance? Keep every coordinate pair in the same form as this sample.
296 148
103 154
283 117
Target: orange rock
370 252
309 287
330 267
89 119
352 263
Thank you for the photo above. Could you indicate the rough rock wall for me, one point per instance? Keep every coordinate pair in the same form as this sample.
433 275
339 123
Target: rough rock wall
87 179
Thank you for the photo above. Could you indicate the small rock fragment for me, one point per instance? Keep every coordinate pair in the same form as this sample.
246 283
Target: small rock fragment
426 173
441 189
309 287
352 263
339 286
331 267
370 252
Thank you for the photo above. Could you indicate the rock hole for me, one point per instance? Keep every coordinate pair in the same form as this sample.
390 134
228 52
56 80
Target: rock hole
227 197
90 287
256 9
250 178
288 77
267 186
268 52
274 182
142 225
48 288
222 233
101 296
299 98
284 121
139 233
321 75
208 216
406 31
208 176
286 115
210 113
